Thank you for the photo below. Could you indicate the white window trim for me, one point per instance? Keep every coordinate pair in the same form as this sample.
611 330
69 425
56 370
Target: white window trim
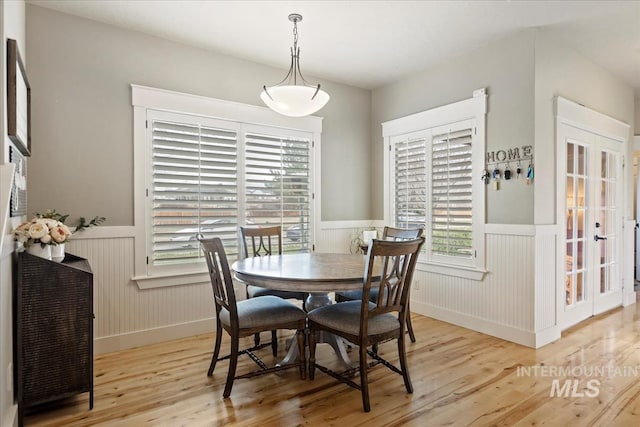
475 109
143 98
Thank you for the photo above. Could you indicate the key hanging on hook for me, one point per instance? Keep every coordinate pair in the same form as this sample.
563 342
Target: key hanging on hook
485 176
518 170
530 173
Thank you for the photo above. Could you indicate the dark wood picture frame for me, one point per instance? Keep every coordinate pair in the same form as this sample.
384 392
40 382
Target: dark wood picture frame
18 100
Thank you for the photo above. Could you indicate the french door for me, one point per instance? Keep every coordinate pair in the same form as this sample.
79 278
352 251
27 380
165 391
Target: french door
593 224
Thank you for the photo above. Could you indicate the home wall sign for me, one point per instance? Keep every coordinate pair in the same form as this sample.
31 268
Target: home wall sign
524 152
499 165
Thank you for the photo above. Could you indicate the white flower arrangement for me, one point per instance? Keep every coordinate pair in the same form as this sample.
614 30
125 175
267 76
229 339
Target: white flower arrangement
43 231
49 229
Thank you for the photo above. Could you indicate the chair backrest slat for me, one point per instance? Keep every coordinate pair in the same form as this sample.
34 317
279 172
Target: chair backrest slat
397 260
221 280
388 297
392 233
262 240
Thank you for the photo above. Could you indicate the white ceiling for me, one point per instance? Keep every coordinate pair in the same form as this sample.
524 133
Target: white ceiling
371 43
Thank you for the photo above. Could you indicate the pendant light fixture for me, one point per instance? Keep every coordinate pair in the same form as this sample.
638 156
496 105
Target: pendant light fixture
294 96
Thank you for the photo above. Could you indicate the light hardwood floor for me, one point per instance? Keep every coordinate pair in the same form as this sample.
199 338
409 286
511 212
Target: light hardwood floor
460 378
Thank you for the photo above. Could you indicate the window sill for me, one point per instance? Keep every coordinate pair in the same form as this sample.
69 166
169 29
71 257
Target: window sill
453 270
176 279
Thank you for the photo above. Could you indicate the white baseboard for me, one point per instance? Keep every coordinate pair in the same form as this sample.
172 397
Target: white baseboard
547 336
509 333
151 336
628 298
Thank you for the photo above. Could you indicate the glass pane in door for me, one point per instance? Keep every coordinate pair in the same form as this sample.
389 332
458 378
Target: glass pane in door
606 226
575 258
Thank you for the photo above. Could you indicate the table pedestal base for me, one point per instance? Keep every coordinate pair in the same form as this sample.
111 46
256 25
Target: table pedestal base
316 300
334 341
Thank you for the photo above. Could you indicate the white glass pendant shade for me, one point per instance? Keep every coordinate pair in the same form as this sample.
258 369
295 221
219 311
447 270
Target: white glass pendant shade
294 96
294 100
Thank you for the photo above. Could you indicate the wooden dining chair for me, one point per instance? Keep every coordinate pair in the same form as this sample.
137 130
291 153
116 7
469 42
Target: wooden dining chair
247 317
389 233
365 323
266 241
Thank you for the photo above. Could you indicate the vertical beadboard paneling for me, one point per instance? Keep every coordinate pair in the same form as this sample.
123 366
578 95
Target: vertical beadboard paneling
545 283
121 307
335 240
514 299
504 297
628 262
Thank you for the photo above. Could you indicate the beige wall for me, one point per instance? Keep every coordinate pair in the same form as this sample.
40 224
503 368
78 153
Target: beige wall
505 68
637 113
560 71
522 74
12 25
80 72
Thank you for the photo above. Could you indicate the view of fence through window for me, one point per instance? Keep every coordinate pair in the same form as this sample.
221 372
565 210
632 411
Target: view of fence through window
410 183
451 194
433 174
278 186
197 188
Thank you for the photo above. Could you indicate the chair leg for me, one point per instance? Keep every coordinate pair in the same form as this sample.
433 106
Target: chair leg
302 351
374 348
233 362
412 336
274 342
312 354
216 349
402 355
364 381
256 339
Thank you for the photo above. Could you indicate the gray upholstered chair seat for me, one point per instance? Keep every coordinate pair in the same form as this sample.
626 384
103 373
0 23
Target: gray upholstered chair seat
393 234
257 291
246 318
354 320
346 317
357 295
262 311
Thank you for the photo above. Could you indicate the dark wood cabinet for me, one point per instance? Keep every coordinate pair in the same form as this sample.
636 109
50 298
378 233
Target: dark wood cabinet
53 329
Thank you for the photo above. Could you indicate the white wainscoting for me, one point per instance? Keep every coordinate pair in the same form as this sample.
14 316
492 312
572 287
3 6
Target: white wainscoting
126 316
515 301
502 304
628 262
546 291
336 236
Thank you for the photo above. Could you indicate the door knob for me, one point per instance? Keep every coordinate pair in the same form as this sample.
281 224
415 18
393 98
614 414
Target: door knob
596 238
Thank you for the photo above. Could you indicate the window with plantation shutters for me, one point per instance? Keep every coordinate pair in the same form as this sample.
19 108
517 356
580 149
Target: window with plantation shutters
194 187
205 167
433 187
452 192
410 196
278 185
430 165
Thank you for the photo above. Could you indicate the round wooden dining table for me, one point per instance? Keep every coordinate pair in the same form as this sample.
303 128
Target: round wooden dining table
316 273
